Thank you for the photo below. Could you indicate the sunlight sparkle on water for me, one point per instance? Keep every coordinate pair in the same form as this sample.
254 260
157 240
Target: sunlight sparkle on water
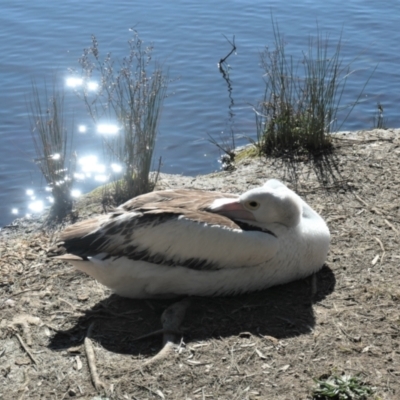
107 129
74 82
88 163
76 193
79 176
116 167
89 168
92 86
14 211
29 192
36 206
82 129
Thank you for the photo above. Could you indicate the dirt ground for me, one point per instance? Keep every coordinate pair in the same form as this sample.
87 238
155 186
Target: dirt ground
265 345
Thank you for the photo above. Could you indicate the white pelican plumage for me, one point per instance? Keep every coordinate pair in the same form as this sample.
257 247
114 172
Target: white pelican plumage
192 242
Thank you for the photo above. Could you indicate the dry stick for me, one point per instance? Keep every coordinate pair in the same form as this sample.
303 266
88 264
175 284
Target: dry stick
222 60
382 248
380 244
374 209
361 200
351 338
67 302
25 347
97 383
391 226
171 320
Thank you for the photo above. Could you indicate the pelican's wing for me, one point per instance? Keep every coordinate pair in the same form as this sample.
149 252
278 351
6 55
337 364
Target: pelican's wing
181 199
170 228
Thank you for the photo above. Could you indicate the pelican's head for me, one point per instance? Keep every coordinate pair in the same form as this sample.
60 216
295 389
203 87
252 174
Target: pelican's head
271 203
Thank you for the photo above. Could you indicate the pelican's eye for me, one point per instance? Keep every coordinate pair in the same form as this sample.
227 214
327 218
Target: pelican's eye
252 205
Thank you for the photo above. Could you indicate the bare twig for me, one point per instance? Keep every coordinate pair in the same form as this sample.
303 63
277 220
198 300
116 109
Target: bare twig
380 243
361 200
382 248
351 338
97 383
25 347
222 60
391 226
226 147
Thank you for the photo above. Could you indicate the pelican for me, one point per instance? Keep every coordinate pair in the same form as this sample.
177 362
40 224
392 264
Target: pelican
193 242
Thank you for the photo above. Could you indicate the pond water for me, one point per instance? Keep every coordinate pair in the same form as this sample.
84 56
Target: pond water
40 39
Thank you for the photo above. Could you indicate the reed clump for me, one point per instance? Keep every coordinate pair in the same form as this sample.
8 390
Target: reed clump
301 100
52 141
130 94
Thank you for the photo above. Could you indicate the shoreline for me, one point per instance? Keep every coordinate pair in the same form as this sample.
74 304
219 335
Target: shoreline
248 173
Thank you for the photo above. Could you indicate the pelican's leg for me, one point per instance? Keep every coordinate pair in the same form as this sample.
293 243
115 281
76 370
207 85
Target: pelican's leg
171 320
